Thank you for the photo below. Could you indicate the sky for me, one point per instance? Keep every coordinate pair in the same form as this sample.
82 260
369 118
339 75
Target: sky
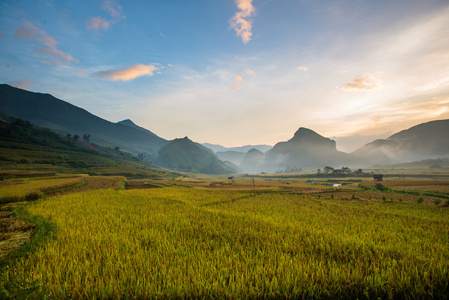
237 72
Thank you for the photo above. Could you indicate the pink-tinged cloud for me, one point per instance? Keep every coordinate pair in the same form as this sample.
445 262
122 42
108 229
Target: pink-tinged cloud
362 82
56 53
236 87
97 23
238 80
27 31
240 22
128 73
20 84
249 72
31 32
2 35
113 8
303 68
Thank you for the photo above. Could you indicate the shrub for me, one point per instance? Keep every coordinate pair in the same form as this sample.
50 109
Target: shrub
420 200
437 201
380 187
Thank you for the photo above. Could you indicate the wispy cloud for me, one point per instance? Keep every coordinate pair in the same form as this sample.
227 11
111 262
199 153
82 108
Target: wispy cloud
21 84
302 68
31 32
238 80
113 8
249 72
241 22
97 23
2 35
101 23
362 82
128 73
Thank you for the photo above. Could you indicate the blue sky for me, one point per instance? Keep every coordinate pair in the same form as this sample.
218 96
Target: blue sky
237 72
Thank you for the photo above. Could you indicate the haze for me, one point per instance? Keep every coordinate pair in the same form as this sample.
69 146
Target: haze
237 72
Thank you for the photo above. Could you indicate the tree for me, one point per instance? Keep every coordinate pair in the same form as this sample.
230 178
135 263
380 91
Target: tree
345 170
75 137
68 135
328 170
86 138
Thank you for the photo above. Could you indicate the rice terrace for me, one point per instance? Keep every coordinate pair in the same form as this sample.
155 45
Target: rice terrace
211 237
232 149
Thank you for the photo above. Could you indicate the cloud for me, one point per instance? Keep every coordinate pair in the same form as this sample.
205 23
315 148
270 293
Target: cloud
363 82
303 68
2 35
97 23
249 72
240 22
100 23
30 32
128 73
113 8
20 84
238 80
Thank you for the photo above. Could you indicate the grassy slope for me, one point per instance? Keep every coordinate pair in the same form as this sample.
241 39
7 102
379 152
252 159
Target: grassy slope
25 146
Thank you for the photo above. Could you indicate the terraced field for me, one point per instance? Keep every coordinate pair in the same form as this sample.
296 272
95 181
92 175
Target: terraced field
193 238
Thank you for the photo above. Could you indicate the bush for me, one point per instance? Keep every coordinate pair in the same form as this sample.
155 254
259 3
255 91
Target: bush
420 200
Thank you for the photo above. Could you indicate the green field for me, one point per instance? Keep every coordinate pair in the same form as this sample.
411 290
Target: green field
215 238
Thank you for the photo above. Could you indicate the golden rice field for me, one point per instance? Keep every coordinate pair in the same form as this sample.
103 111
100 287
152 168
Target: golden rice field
181 242
33 188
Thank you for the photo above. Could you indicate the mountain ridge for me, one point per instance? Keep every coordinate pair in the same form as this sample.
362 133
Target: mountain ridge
50 112
422 141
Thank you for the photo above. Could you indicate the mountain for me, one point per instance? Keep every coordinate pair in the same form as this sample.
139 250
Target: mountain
185 155
131 124
423 141
235 157
253 162
306 149
242 149
62 117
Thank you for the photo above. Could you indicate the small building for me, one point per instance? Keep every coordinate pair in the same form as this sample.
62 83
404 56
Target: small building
336 185
378 177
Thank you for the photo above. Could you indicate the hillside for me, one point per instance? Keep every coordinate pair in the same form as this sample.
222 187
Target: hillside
423 141
27 146
47 111
185 155
131 124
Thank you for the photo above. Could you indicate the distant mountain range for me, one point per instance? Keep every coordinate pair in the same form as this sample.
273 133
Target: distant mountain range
423 141
306 149
242 149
